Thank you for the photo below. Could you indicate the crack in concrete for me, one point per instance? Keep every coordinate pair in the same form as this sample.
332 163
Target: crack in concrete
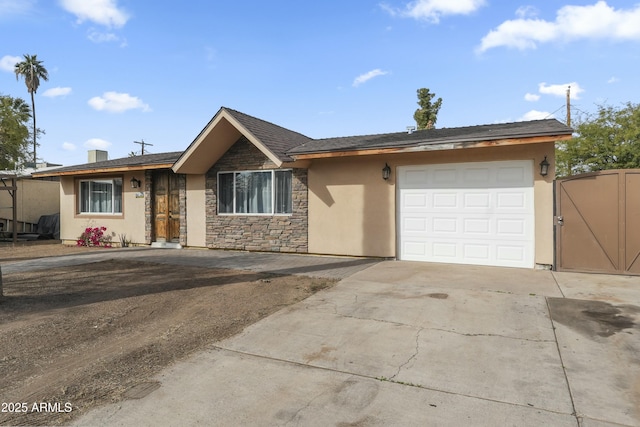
383 379
292 419
413 356
493 335
466 334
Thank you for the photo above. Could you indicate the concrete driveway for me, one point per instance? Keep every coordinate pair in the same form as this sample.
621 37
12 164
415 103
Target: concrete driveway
403 343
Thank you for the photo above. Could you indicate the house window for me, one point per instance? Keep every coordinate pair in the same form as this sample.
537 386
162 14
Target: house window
103 196
255 192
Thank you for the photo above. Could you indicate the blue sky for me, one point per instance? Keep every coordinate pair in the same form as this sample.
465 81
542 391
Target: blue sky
123 70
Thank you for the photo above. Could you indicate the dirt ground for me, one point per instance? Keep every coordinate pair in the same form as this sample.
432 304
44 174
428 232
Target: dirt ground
76 337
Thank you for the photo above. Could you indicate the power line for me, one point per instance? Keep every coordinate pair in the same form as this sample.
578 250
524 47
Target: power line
141 142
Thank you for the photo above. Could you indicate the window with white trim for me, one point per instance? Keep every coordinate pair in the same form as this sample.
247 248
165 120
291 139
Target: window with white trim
101 196
265 192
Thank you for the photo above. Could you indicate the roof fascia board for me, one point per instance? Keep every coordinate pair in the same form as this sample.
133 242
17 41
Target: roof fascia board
223 114
432 147
116 169
196 142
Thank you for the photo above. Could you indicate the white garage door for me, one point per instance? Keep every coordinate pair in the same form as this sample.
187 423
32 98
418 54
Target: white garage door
467 213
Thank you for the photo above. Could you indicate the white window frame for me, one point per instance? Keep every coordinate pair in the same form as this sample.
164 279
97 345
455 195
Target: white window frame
273 193
113 196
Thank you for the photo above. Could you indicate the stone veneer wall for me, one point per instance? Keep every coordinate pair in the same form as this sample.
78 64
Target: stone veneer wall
182 202
148 207
273 233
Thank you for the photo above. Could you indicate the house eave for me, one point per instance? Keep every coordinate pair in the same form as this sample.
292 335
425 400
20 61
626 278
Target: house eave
111 170
225 130
451 145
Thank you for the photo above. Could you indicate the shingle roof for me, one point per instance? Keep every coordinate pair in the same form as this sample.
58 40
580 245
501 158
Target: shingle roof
276 138
125 162
549 127
287 144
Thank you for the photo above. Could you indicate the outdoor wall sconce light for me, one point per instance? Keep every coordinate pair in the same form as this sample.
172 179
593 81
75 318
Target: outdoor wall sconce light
544 167
135 183
386 172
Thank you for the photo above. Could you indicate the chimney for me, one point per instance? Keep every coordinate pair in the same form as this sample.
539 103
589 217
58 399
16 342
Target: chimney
98 156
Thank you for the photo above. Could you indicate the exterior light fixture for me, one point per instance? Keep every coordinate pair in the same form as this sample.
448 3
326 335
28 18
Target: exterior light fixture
544 167
135 183
386 172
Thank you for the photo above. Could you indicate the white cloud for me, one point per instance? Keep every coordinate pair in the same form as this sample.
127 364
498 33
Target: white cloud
561 89
102 12
8 62
114 102
432 10
15 7
363 78
613 79
598 21
97 143
527 12
57 91
100 37
531 97
535 115
67 146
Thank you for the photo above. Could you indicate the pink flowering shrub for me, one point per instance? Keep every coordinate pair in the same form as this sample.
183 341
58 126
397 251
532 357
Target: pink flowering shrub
94 237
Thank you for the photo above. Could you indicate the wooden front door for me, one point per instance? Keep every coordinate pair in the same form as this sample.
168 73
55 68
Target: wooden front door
166 207
598 222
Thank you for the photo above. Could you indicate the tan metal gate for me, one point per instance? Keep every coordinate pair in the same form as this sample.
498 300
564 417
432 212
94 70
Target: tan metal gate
598 222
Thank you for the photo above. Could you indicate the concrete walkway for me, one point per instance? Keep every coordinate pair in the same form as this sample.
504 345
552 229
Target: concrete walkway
411 344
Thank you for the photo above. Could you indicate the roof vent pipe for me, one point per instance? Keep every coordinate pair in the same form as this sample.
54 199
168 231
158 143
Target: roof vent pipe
410 129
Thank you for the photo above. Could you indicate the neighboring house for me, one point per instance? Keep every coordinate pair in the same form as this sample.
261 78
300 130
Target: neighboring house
34 198
471 195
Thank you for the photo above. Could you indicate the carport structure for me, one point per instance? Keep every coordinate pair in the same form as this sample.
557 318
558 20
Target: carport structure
13 191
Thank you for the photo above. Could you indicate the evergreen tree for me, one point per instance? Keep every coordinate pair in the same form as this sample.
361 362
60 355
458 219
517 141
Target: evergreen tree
427 114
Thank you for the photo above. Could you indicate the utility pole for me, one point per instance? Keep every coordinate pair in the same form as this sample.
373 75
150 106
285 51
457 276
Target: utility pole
569 106
141 142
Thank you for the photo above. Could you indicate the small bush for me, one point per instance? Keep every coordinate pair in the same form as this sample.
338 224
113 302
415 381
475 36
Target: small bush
94 237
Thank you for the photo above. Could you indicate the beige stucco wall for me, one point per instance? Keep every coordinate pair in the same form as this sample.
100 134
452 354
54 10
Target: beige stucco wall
130 223
352 210
196 211
35 198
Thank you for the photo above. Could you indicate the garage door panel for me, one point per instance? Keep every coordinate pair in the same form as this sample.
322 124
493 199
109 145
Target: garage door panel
512 176
480 226
514 253
445 177
444 250
445 200
479 252
511 200
415 200
445 225
477 176
512 227
415 225
457 220
469 227
477 200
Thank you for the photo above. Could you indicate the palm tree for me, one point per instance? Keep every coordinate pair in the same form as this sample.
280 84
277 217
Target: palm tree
32 71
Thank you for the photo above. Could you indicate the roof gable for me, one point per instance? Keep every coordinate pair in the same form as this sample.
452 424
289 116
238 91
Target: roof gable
225 128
